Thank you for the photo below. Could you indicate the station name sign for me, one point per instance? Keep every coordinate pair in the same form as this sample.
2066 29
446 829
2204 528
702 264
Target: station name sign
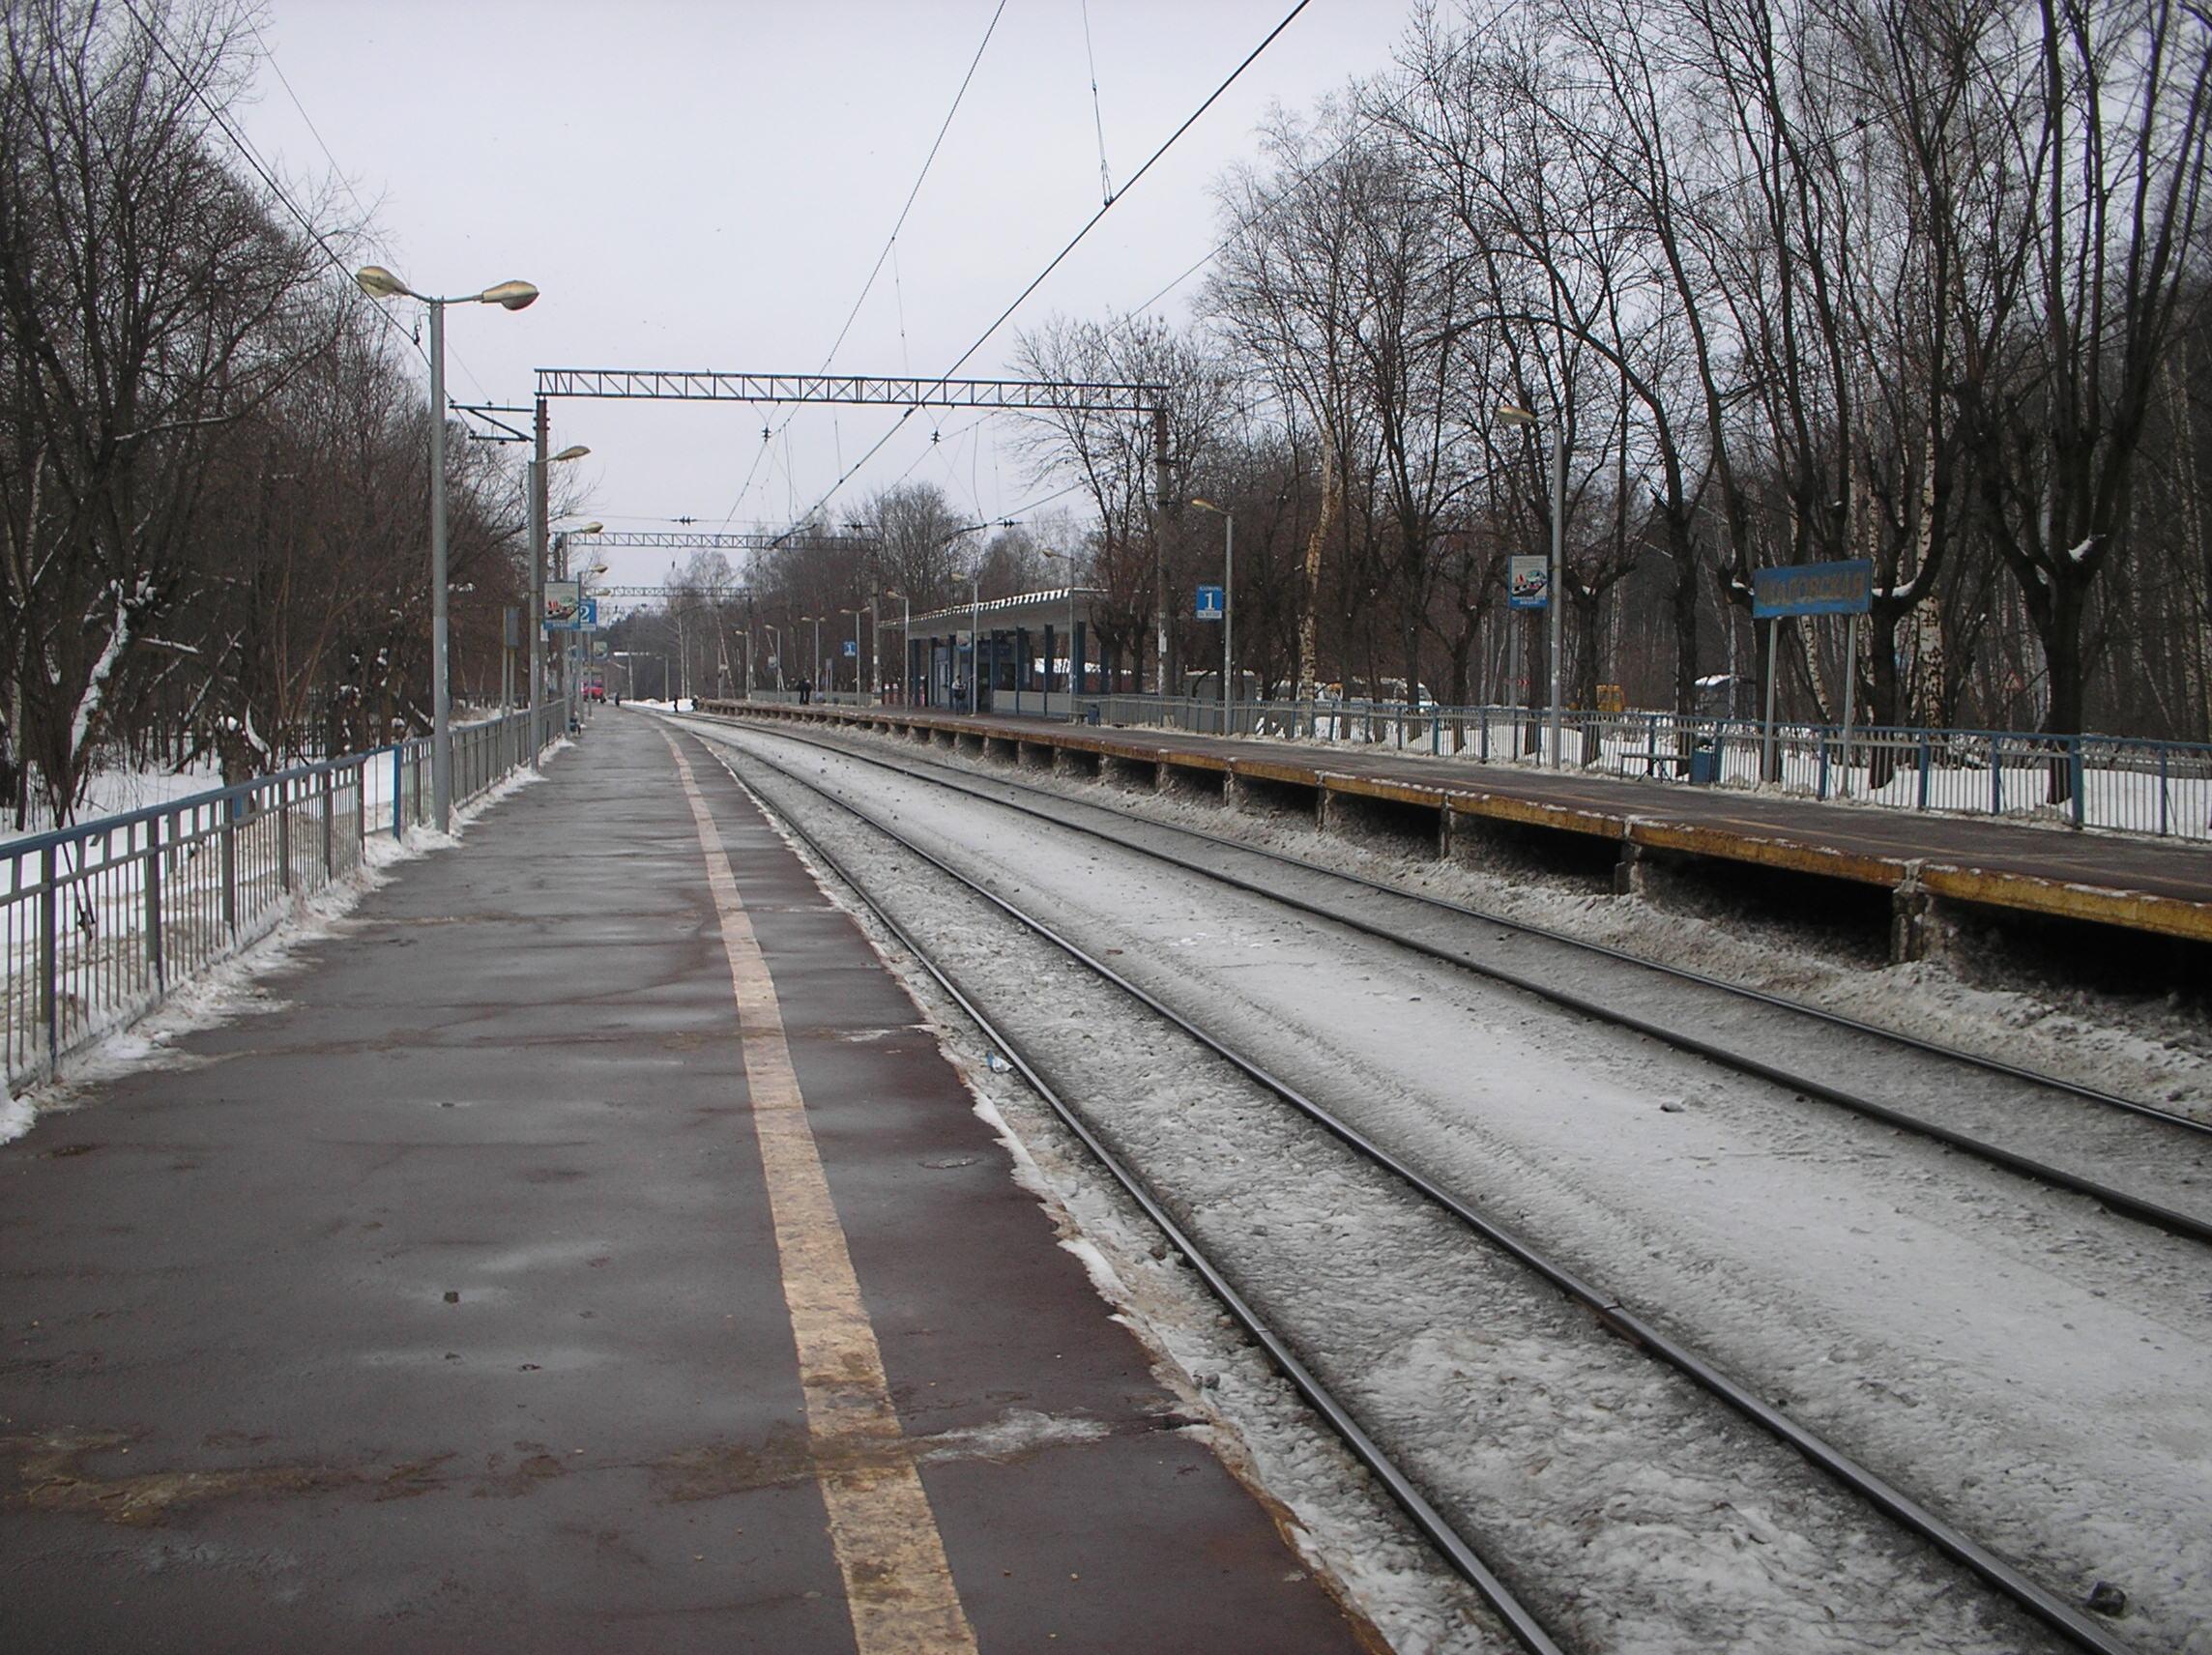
1813 589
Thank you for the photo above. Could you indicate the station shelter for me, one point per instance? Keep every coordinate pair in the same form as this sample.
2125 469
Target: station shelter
1019 656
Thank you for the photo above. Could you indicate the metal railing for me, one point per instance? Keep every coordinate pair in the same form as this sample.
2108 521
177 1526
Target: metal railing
2124 783
99 922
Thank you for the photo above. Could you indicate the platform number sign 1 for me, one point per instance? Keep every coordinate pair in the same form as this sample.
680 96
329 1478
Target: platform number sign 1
1209 604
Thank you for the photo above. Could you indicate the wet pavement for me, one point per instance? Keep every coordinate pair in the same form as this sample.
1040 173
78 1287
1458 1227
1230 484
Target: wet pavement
439 1303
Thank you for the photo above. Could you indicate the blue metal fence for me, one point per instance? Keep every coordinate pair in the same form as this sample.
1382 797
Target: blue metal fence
99 922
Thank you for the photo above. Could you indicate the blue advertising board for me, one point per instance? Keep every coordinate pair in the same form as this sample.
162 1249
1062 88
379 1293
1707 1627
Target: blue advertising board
1813 589
1209 604
583 618
1528 583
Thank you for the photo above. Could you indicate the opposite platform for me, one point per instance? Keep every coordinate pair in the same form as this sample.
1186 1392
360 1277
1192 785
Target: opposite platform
2163 887
496 1288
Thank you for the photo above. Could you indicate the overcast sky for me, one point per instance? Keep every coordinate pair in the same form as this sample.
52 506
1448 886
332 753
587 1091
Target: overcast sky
707 184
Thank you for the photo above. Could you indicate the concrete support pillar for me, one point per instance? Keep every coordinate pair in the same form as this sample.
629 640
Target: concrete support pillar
1323 809
1628 873
1911 909
1445 827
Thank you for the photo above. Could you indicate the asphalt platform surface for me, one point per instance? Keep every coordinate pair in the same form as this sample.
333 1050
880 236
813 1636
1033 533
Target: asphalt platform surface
438 1304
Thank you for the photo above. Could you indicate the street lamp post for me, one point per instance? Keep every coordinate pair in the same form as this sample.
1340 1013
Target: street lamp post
1067 557
976 642
1227 612
906 649
1551 585
974 608
817 671
538 508
380 283
561 573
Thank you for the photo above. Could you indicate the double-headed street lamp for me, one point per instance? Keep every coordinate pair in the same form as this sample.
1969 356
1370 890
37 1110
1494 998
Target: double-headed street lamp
1228 518
380 283
538 549
906 647
859 662
1512 415
775 634
1067 557
561 573
816 676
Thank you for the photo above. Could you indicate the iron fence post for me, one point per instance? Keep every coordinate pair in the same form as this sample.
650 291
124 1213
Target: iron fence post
330 826
1927 765
284 836
49 1001
230 863
154 951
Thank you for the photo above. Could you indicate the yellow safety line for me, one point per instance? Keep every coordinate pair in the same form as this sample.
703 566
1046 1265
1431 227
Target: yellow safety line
898 1583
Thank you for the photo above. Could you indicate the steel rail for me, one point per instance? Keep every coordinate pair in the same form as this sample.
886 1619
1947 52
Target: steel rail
1464 1559
1893 1502
1681 973
2171 1220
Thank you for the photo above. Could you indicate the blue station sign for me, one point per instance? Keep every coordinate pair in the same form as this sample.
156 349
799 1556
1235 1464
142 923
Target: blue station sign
1813 589
1210 603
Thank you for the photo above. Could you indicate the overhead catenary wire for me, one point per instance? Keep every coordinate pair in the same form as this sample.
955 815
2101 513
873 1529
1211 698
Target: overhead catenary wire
890 241
1097 113
246 153
1073 243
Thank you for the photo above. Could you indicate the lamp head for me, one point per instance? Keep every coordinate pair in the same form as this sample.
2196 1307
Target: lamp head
378 282
515 295
577 452
1513 416
1208 506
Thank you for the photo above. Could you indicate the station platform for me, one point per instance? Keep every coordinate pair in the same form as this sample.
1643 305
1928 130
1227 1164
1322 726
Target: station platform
588 1248
2108 879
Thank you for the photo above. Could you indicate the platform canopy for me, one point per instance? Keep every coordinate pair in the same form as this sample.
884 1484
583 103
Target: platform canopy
1035 610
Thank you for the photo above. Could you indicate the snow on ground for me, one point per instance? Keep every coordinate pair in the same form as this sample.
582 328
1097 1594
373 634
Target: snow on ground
1960 1331
2147 1048
120 791
233 986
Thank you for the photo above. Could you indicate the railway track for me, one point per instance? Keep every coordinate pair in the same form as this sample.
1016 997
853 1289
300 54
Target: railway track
1638 1336
2143 1162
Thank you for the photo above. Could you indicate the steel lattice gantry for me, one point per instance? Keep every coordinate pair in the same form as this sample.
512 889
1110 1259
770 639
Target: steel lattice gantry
720 540
1020 395
857 389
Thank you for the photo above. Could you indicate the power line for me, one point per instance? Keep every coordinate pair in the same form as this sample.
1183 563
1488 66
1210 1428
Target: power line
1088 225
891 240
936 144
1192 120
247 152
